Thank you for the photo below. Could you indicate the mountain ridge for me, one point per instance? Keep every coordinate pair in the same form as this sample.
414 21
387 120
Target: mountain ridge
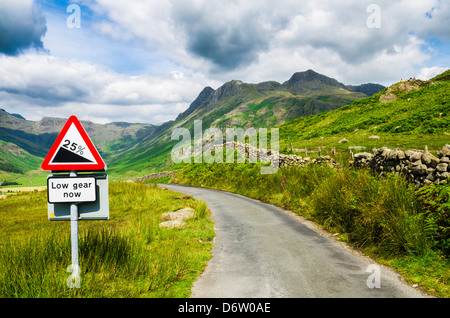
304 93
238 104
233 104
300 78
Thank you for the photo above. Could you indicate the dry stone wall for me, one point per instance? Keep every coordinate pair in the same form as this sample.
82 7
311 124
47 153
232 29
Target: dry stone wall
284 160
155 176
420 167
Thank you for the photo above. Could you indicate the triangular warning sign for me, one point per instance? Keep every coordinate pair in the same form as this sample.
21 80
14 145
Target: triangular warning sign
73 150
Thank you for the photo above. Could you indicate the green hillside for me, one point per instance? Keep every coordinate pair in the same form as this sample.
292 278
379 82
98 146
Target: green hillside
25 143
270 104
241 105
409 114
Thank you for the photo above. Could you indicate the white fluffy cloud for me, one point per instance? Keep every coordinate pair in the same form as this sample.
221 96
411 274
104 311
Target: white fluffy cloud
43 85
429 72
137 60
226 38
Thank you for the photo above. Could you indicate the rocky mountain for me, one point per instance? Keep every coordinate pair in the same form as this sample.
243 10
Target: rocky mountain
269 104
202 97
311 80
238 104
368 89
143 147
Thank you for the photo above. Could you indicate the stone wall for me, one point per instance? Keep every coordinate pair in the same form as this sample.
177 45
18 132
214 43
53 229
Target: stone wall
155 176
284 160
296 161
420 167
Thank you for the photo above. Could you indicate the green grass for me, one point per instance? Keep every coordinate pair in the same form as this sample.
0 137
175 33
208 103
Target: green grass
385 218
417 118
158 180
127 256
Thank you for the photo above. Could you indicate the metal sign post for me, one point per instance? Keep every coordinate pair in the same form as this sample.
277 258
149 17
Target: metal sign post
74 241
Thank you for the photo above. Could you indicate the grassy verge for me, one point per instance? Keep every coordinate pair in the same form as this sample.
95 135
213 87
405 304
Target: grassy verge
127 256
385 218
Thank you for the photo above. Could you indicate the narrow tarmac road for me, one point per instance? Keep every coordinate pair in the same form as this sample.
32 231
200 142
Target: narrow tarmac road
261 251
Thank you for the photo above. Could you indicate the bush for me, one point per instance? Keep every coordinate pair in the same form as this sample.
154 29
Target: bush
9 183
435 203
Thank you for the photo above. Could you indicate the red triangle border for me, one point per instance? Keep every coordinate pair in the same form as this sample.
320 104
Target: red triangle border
99 165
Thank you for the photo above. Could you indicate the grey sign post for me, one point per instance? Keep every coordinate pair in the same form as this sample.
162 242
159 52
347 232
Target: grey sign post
74 236
68 202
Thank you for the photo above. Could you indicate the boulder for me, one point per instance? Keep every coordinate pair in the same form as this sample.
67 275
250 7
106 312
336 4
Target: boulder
173 224
363 155
415 155
420 169
396 154
442 167
385 151
182 214
445 152
429 160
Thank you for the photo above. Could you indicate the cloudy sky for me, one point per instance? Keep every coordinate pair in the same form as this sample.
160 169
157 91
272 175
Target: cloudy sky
147 60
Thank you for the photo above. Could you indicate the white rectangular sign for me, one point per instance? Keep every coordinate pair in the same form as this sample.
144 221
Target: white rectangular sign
71 190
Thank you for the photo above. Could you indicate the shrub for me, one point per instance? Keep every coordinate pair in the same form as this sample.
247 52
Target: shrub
435 203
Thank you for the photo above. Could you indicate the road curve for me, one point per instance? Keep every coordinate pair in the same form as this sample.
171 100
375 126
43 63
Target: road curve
261 251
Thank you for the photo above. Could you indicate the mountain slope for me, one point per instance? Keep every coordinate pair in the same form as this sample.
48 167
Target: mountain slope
140 148
14 159
268 104
33 139
407 114
238 104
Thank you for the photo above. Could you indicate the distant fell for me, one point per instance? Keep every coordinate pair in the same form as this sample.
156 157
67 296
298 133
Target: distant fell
142 148
268 104
242 105
24 143
408 114
369 89
201 98
310 76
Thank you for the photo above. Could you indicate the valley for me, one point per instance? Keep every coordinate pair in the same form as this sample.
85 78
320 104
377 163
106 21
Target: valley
315 114
133 150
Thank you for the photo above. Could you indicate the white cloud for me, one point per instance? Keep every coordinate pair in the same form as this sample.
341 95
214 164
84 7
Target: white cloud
42 84
137 60
429 72
226 38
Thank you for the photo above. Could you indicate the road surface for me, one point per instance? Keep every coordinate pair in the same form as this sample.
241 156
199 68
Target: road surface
261 251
